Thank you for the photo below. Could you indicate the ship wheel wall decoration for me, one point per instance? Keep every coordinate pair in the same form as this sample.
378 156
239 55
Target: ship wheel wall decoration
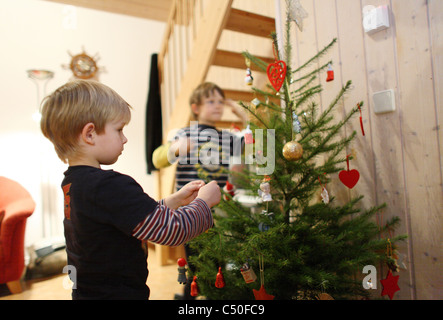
83 66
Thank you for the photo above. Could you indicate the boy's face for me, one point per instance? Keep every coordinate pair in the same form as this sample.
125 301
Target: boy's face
211 109
110 142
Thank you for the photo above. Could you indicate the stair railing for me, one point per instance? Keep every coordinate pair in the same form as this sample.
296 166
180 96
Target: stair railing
191 24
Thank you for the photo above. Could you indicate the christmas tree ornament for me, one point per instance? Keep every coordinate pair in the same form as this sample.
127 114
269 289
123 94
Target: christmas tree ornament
392 258
219 280
349 177
248 274
265 190
295 123
181 271
401 260
330 73
324 193
248 79
229 189
292 151
255 102
263 226
296 13
194 287
276 74
390 286
361 118
261 294
324 296
248 136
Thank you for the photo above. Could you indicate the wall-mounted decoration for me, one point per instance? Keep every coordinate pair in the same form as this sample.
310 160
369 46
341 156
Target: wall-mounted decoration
83 66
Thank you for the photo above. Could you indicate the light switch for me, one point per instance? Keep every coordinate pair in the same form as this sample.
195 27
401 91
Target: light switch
384 101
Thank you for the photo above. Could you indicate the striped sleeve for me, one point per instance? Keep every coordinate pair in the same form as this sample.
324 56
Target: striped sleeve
175 227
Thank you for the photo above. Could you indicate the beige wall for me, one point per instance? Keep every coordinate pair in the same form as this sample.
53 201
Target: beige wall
34 36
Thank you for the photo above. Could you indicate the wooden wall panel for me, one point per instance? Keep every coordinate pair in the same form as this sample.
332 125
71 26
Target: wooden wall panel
352 66
387 139
400 157
422 163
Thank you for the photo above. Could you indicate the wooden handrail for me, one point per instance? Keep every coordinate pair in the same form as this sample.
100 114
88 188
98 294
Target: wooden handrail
191 24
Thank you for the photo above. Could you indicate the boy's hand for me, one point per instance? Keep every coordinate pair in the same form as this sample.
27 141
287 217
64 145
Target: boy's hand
210 193
185 195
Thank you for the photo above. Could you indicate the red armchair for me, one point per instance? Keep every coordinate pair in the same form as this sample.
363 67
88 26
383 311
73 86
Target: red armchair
16 205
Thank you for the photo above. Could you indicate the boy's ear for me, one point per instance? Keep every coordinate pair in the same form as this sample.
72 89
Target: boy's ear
88 133
195 109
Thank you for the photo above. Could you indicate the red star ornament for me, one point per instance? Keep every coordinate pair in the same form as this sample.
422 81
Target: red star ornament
390 285
262 294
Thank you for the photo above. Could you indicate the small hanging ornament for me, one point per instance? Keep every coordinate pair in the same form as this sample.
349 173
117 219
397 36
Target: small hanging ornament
263 226
181 271
262 294
194 287
391 258
229 189
390 285
324 296
324 193
276 72
248 79
248 274
349 177
248 136
296 127
265 190
330 72
219 280
255 102
292 151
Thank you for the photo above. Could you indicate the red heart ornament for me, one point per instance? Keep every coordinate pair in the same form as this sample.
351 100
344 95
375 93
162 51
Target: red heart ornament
349 177
276 74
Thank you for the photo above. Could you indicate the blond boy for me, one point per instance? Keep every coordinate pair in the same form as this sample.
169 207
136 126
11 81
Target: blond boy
107 214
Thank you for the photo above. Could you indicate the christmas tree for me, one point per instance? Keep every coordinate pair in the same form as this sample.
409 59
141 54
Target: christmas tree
296 242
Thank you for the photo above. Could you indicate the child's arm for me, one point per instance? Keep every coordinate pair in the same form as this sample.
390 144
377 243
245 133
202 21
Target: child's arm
168 151
170 227
160 156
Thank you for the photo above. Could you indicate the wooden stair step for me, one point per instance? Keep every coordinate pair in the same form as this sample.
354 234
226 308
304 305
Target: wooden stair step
238 95
231 59
250 23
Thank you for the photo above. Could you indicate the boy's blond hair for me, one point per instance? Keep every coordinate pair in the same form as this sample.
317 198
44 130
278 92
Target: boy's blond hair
68 109
203 91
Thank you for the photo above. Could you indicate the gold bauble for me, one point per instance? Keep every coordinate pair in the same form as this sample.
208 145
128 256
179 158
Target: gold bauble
292 151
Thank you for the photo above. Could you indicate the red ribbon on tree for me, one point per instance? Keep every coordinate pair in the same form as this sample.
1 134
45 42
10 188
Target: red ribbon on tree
361 119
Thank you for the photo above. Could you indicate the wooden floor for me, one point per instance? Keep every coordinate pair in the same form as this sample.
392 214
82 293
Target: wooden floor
162 281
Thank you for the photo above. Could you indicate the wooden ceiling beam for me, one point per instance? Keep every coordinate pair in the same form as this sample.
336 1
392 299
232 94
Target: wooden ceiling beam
146 9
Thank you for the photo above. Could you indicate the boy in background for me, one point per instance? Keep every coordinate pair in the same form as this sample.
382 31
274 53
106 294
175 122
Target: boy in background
202 151
107 214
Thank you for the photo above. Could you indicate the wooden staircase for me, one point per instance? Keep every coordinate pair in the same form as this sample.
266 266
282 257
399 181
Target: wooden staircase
190 48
